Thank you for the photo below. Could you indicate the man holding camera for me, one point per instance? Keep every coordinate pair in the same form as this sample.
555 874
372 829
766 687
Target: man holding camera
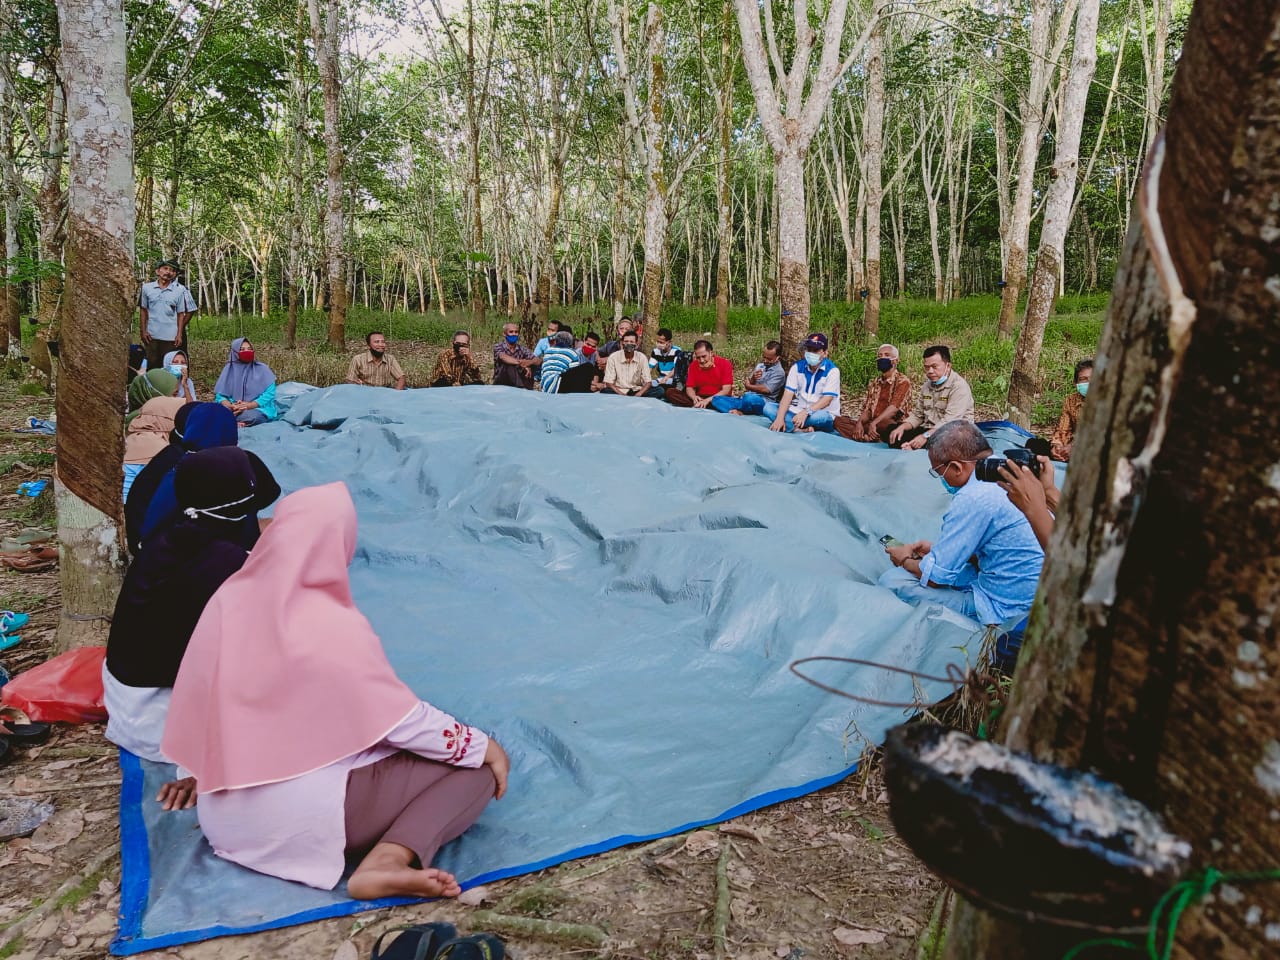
986 563
456 367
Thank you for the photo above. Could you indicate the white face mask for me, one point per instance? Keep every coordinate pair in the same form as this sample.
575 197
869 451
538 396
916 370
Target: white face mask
812 359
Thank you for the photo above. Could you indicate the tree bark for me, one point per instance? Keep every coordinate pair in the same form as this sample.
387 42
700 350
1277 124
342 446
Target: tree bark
300 110
1152 655
10 295
1024 383
873 154
94 333
325 32
1031 114
724 177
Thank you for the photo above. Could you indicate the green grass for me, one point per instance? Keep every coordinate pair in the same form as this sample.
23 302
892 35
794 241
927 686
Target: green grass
967 326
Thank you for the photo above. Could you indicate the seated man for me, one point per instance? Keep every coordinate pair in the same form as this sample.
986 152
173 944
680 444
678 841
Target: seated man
765 382
557 359
888 400
543 345
1065 433
513 362
944 396
709 377
986 563
613 346
456 367
664 362
375 367
584 375
626 372
811 399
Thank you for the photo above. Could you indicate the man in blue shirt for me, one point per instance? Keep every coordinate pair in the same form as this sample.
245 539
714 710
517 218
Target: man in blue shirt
986 563
164 307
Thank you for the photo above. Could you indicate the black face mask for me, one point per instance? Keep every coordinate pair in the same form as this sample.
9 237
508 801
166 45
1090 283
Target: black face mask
884 364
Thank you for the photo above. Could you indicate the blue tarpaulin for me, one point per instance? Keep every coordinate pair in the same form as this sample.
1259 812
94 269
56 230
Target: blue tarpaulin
614 588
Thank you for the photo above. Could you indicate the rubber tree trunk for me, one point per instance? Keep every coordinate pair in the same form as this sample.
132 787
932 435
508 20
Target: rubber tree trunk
724 177
300 110
793 254
10 299
873 151
1153 653
95 322
1024 384
325 31
1032 109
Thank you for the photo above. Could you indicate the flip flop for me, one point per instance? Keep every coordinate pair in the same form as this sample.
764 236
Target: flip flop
10 621
25 734
419 941
478 946
8 640
19 816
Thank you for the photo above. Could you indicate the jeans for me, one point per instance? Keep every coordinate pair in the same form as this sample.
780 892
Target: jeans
910 590
752 403
818 419
251 418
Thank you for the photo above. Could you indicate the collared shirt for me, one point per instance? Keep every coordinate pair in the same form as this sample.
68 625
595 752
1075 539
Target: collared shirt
1069 422
554 363
883 394
953 400
507 374
628 376
374 371
542 346
810 386
456 369
982 522
774 376
163 304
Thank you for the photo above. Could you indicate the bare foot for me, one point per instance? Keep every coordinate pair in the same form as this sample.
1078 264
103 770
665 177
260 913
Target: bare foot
386 872
737 413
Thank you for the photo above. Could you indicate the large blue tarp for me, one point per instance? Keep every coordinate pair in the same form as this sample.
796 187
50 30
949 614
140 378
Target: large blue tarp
614 588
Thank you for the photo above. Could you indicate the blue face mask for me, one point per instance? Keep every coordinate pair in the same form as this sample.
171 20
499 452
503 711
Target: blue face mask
948 487
177 370
938 383
513 338
812 359
1082 388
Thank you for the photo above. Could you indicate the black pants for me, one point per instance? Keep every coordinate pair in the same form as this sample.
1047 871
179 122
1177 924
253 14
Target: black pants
578 379
908 435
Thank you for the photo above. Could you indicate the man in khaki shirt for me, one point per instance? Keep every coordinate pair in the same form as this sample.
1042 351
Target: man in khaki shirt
944 396
627 371
375 367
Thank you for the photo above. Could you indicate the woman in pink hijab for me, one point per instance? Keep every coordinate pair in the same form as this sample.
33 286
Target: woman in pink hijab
305 745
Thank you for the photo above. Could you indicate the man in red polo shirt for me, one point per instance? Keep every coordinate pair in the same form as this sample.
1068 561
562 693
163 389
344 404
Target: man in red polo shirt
709 376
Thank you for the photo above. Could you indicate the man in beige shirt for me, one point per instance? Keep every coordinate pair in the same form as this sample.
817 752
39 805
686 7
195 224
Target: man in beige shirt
627 371
944 396
375 367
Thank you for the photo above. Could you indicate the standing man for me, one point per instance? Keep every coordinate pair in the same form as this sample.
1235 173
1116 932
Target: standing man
888 400
709 377
375 367
513 362
944 396
811 399
164 309
456 367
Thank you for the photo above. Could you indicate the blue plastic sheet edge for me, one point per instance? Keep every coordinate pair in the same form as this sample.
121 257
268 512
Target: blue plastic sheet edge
136 864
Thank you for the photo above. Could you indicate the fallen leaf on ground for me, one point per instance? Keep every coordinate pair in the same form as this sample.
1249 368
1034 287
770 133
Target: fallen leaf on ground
741 876
742 910
63 827
39 859
737 830
106 888
474 897
97 816
853 938
346 951
701 842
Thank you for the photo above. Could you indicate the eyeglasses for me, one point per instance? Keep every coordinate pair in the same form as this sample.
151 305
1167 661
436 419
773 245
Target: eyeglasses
937 472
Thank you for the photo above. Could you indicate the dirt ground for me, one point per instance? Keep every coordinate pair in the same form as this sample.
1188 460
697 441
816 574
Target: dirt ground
821 876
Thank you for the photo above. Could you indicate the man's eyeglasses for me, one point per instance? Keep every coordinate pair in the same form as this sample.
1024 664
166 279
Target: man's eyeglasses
937 472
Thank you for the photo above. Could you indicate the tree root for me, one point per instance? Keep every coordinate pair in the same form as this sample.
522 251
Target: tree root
544 929
720 928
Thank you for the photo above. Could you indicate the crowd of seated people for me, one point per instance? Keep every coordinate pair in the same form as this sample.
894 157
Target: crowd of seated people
251 620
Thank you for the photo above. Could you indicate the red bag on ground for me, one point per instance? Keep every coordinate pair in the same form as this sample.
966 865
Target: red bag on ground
68 687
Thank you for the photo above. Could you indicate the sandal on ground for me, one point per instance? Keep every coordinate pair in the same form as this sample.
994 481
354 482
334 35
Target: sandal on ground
25 734
419 941
478 946
8 640
10 621
20 816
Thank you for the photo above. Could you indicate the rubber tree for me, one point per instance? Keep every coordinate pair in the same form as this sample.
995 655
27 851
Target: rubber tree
1153 654
94 327
326 31
791 102
1025 381
873 160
